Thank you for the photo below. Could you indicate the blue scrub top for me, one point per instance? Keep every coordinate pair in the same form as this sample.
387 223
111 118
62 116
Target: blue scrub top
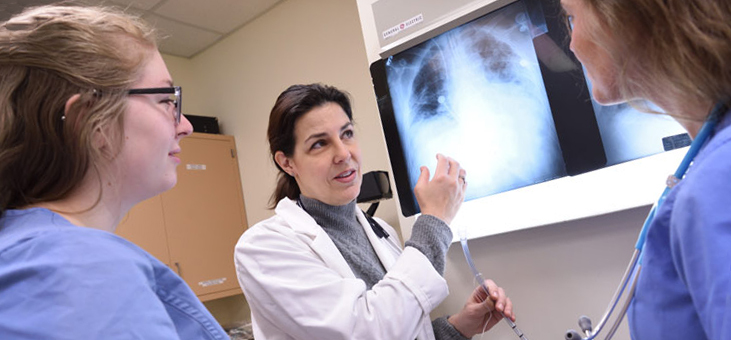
684 288
61 281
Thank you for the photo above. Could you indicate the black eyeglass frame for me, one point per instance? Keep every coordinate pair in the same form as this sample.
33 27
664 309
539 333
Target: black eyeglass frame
176 90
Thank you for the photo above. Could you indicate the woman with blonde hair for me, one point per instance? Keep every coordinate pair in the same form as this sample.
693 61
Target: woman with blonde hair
90 125
677 55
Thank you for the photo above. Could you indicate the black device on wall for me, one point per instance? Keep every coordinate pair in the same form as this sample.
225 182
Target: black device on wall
204 124
504 96
374 187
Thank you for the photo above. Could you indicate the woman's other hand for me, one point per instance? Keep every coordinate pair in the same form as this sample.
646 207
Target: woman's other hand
480 313
441 196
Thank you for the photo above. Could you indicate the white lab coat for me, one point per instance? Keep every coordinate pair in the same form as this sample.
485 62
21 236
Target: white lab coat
299 286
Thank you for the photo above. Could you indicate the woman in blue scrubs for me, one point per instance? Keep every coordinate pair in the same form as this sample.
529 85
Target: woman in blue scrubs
677 55
90 125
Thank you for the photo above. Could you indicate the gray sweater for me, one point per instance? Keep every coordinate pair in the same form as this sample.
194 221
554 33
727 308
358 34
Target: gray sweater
429 235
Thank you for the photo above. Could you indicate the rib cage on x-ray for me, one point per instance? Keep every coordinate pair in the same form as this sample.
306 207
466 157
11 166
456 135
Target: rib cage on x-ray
475 93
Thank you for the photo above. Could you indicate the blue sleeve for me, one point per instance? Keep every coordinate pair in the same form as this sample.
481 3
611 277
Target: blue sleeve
77 285
701 241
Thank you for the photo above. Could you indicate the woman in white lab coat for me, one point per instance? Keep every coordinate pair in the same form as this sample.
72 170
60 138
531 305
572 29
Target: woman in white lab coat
320 268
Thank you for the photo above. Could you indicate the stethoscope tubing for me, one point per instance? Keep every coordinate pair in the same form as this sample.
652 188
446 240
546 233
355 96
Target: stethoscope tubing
615 299
635 265
627 302
703 134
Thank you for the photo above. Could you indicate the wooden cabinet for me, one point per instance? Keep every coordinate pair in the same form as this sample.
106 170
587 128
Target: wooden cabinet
194 227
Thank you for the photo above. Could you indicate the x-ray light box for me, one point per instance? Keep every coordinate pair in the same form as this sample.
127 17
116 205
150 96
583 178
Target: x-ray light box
504 96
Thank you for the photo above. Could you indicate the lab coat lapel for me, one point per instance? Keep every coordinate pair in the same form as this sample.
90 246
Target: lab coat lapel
386 254
303 224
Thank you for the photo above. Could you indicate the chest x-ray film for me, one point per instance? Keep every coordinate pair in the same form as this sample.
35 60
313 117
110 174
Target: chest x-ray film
628 134
500 94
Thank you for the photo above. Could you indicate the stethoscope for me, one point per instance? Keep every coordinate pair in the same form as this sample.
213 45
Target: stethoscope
635 264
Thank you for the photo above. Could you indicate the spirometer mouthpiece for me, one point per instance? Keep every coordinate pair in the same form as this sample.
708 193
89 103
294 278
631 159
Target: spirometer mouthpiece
572 335
585 324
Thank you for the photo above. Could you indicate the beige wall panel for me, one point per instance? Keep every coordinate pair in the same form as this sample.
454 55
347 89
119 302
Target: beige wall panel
204 214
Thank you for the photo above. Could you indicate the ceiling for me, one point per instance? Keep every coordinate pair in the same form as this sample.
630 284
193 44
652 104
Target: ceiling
189 26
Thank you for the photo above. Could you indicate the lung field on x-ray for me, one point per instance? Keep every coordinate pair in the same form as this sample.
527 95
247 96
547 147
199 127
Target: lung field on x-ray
431 87
475 93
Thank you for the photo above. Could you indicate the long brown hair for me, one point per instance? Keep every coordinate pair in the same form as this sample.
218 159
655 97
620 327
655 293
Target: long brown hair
291 105
49 54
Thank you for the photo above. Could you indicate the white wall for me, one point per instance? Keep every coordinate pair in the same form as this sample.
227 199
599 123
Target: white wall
239 78
552 273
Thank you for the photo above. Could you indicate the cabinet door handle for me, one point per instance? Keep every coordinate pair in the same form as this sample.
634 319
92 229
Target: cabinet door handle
177 267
